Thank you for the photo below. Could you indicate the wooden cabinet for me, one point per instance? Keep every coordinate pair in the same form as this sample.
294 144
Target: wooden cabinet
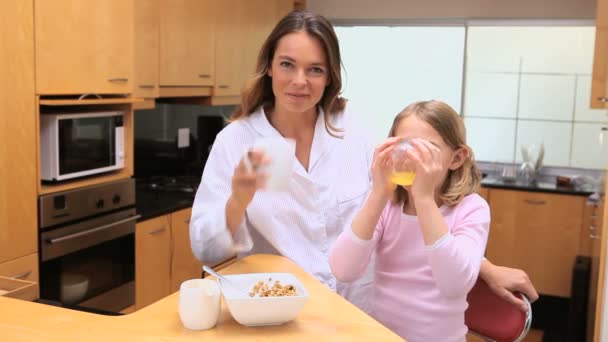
187 38
243 25
538 233
152 260
484 193
84 46
184 265
24 268
146 48
18 176
599 85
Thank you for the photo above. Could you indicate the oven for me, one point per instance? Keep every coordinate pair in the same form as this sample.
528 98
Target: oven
87 247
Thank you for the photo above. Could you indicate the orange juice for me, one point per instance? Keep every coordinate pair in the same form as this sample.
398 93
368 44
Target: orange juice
403 178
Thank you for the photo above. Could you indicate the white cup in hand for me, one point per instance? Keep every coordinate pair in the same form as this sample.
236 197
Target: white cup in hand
199 303
281 152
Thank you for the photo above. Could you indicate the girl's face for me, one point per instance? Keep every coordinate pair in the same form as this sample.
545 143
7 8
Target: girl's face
412 127
299 73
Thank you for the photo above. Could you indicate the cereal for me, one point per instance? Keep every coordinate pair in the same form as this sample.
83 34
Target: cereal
277 290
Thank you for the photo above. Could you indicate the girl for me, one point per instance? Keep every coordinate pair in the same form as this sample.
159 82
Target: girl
430 239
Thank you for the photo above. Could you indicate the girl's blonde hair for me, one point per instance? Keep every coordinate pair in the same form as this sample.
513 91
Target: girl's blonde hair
460 182
258 90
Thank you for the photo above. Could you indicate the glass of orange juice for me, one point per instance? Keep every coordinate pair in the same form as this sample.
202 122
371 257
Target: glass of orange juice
404 169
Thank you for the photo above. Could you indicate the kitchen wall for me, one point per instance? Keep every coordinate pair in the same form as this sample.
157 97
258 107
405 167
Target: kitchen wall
174 139
453 9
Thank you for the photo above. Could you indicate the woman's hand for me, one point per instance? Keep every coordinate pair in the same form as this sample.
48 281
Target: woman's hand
245 180
382 167
429 169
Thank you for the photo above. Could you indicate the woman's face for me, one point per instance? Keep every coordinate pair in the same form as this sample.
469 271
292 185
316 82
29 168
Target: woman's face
299 73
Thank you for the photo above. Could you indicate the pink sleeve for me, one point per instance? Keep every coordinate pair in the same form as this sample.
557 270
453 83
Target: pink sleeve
350 255
455 259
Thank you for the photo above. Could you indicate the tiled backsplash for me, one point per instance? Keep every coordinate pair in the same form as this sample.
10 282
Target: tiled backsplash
174 139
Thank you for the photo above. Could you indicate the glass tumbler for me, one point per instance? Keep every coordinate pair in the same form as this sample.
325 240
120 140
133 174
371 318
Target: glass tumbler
404 169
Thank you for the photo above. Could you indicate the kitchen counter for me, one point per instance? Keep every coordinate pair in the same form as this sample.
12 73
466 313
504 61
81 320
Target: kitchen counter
326 316
536 187
150 204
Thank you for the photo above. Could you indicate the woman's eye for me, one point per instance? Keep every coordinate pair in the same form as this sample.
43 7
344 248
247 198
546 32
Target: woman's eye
317 70
285 64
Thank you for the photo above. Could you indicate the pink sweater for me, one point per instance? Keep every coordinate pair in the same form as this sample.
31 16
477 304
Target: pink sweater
419 291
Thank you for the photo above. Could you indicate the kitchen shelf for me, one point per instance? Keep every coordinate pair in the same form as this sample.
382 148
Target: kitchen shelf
50 188
77 102
167 91
18 289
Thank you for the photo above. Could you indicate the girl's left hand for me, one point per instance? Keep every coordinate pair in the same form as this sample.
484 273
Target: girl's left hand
429 168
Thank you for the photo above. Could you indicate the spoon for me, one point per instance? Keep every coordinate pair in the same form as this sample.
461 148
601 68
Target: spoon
217 275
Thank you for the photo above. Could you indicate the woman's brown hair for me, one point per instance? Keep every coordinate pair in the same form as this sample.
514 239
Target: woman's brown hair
450 126
258 90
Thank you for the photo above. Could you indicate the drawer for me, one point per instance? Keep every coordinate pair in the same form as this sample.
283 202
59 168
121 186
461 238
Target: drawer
24 268
18 289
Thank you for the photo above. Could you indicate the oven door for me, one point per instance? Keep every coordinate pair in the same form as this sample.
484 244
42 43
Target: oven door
90 264
89 144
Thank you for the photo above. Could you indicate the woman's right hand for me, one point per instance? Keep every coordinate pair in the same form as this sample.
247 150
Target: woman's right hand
246 180
382 167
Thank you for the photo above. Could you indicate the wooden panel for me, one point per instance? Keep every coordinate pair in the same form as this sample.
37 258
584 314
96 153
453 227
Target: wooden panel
592 222
601 14
18 221
532 336
538 233
146 66
484 193
244 25
24 268
18 289
84 46
184 91
152 260
599 82
597 290
184 264
187 42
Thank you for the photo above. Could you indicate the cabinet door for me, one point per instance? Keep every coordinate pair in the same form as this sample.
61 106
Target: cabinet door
184 265
599 84
187 37
18 177
145 67
152 260
244 25
84 46
539 233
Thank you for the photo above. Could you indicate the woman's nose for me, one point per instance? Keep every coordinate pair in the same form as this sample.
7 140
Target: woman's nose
300 77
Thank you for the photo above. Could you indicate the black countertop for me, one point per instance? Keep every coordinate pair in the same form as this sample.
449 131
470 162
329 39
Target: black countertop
150 204
536 187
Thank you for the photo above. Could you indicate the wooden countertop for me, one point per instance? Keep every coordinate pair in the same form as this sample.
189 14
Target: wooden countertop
326 316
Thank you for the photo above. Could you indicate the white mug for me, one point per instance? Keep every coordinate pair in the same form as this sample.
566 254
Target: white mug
199 303
282 153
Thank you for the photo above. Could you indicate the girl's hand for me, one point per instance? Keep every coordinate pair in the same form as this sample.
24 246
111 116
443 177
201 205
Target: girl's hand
246 180
382 167
429 169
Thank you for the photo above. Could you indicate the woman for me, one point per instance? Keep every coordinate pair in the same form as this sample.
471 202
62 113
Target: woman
295 95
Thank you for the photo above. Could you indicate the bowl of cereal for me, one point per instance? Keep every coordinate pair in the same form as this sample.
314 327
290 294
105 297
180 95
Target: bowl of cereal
274 298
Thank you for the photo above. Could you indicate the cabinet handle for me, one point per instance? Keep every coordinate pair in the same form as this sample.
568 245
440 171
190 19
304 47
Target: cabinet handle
204 75
160 230
187 221
603 98
83 96
118 79
22 275
147 86
592 228
223 86
536 202
594 236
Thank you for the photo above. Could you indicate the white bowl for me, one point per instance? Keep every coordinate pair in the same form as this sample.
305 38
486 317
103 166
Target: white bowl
73 288
259 311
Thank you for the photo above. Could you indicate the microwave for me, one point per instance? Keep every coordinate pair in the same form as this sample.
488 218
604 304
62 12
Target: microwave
80 144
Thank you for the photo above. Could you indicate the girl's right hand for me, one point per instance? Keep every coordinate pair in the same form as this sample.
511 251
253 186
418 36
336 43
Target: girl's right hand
382 167
246 180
